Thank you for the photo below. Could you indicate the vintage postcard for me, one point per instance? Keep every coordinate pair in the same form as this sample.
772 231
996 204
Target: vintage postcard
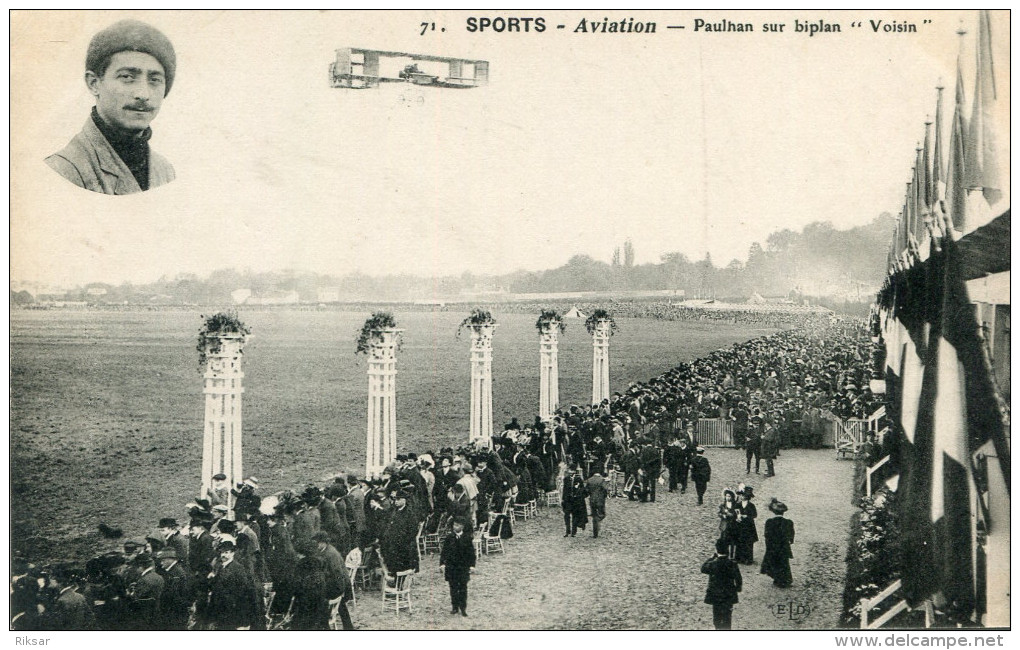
275 362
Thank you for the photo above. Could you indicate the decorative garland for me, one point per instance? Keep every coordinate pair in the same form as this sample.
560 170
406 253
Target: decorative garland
224 322
547 318
596 316
369 334
478 318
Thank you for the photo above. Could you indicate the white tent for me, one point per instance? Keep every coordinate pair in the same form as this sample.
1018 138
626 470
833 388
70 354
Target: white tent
756 299
574 313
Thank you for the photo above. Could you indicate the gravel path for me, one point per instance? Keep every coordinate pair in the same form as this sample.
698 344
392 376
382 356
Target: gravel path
644 571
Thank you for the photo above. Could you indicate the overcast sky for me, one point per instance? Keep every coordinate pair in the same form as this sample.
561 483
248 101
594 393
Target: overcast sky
680 140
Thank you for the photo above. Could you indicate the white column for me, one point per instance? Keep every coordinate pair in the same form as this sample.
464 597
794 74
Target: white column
481 384
381 433
221 445
549 373
600 362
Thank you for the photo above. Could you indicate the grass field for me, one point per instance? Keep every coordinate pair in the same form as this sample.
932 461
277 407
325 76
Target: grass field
107 407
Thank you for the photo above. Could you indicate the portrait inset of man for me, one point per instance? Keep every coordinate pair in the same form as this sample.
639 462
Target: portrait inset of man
129 69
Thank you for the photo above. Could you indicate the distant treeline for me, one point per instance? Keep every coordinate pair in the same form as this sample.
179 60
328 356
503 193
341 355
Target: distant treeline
819 260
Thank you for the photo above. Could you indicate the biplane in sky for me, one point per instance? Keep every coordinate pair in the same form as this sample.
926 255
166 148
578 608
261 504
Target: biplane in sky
361 68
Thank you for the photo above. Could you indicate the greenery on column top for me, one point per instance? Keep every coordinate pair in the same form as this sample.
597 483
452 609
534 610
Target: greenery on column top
477 318
547 318
600 315
369 334
213 327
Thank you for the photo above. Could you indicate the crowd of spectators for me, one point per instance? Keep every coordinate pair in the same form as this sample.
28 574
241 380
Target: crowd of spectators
213 572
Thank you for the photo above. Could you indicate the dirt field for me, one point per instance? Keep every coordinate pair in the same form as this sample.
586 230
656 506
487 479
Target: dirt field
107 407
644 571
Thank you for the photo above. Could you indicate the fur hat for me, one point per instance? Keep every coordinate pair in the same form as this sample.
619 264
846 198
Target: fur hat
132 36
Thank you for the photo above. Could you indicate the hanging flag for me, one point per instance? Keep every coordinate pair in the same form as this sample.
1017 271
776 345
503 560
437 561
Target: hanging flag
920 210
956 415
982 170
927 191
956 180
938 173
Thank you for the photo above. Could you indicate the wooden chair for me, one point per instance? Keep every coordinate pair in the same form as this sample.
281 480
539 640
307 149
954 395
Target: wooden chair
419 538
508 510
522 510
491 543
477 538
334 614
396 590
552 498
432 542
268 596
357 565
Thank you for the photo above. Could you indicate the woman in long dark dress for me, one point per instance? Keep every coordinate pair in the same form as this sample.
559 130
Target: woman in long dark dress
778 538
747 532
728 522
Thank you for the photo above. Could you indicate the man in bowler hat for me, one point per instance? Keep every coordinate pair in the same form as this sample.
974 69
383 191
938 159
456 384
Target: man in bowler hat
724 582
129 69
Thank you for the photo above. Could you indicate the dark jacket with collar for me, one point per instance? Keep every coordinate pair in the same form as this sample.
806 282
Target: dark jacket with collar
89 161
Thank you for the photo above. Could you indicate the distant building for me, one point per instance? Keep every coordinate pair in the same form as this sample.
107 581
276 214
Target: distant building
328 294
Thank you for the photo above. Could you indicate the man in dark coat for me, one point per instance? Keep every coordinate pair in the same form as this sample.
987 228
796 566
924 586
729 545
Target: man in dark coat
458 561
144 595
752 446
740 418
281 560
311 604
307 521
330 522
724 582
672 458
200 547
174 539
701 473
70 611
575 510
769 448
356 511
338 581
178 593
397 544
596 487
233 603
651 463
